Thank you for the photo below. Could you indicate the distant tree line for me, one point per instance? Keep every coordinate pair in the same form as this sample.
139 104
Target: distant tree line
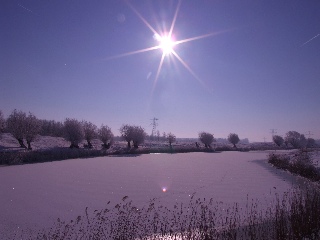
295 140
25 128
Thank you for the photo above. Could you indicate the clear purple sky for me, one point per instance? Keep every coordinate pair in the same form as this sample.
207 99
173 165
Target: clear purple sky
258 74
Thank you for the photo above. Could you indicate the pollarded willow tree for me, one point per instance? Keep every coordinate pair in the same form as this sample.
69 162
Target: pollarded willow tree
106 136
136 134
206 139
73 132
234 139
126 132
16 126
278 140
89 131
171 138
21 126
33 127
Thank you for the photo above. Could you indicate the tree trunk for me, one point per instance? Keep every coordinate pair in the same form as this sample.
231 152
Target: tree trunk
234 146
129 145
29 145
21 143
73 145
89 144
106 145
135 145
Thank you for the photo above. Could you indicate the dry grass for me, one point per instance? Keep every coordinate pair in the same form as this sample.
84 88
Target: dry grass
295 216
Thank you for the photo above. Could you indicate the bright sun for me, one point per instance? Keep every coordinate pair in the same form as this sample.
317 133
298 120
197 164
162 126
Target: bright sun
165 43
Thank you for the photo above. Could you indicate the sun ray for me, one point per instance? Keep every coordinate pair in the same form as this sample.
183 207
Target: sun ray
158 72
142 18
188 68
199 37
174 19
133 52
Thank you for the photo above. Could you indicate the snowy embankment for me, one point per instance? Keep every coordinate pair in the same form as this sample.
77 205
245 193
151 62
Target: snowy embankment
34 196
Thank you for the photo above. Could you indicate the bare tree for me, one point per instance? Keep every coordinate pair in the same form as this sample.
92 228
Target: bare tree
234 139
73 131
138 135
2 122
106 136
278 140
296 139
171 138
90 132
32 128
16 126
206 138
126 132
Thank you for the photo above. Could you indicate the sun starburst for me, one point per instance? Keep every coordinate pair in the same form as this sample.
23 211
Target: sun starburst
166 44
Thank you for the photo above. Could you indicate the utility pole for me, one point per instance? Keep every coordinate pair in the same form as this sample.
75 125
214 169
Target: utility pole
154 125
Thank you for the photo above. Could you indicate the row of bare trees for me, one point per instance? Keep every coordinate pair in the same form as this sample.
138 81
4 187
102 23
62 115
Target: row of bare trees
25 127
294 139
207 139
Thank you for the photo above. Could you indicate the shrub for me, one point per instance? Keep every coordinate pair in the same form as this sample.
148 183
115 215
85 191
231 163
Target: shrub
206 138
279 161
234 139
73 131
301 164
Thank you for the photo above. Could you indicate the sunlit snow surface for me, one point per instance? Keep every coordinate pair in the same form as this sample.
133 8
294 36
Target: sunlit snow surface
33 196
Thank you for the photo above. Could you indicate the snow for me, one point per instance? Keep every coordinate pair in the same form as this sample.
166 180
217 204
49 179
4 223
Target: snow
33 196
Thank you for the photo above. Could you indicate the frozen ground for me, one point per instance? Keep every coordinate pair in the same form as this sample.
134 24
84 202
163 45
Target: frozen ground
33 196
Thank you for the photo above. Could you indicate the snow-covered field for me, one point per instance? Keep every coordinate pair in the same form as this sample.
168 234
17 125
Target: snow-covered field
33 196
